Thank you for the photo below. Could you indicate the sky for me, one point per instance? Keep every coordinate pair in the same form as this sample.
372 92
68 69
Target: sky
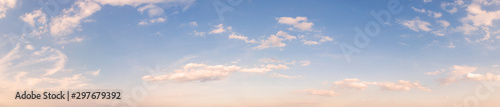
253 53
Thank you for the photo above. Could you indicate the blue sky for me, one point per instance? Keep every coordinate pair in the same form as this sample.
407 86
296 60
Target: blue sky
253 53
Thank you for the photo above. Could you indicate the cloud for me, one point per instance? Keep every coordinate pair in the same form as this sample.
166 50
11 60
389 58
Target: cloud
152 10
401 85
351 83
37 20
196 72
272 66
427 1
6 5
283 76
416 25
429 13
312 42
218 29
482 77
74 40
202 72
325 39
435 72
451 45
136 3
270 60
70 19
199 33
309 42
95 73
453 9
275 40
152 21
444 23
297 22
305 63
241 37
327 93
465 73
256 70
477 19
31 68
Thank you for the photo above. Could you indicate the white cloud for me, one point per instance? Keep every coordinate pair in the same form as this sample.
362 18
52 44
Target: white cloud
351 83
241 37
275 40
218 29
199 33
74 40
297 22
435 72
270 60
464 73
482 77
49 54
309 42
467 28
136 3
416 25
419 10
444 23
283 76
479 17
401 85
152 21
427 1
29 47
95 73
457 71
272 66
196 72
429 13
451 45
325 39
36 19
32 69
453 9
256 70
305 63
153 10
71 18
328 93
37 16
6 5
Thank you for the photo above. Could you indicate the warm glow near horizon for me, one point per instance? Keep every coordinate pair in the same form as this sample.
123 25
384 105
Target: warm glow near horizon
249 53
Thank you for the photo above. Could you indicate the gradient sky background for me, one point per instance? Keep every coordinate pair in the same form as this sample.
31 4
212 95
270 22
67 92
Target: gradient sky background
257 53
